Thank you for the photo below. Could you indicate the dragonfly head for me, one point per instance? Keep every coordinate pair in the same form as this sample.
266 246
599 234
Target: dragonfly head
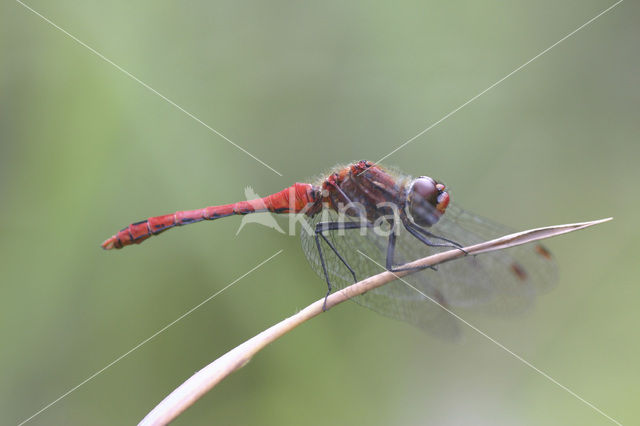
426 201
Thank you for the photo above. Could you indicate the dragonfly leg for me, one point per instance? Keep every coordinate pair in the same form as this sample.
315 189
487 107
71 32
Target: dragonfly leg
421 234
391 247
333 226
326 275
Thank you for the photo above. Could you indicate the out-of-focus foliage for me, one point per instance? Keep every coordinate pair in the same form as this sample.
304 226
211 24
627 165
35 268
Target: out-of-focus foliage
85 150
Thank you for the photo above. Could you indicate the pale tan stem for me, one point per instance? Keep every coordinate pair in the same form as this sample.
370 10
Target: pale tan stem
204 380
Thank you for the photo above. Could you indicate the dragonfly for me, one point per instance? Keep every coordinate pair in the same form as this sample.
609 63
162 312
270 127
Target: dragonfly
363 216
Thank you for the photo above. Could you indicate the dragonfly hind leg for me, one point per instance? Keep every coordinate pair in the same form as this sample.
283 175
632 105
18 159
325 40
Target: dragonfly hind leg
333 226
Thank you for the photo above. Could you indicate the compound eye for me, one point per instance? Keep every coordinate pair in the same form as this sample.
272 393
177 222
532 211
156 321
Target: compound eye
426 189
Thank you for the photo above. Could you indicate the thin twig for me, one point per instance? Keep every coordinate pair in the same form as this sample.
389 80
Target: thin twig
204 380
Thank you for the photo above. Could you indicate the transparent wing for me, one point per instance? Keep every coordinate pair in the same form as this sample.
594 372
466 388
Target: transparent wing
502 282
396 299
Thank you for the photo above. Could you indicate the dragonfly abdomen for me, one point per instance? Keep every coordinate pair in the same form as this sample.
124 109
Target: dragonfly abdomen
290 200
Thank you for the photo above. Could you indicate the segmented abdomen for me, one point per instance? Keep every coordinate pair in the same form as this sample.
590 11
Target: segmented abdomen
290 200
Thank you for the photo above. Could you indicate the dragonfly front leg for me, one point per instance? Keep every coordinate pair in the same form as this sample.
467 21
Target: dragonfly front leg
421 234
333 226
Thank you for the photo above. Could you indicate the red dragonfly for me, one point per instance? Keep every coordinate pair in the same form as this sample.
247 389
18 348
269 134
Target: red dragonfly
364 210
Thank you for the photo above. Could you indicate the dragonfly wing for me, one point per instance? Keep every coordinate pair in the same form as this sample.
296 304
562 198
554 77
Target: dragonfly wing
502 282
365 252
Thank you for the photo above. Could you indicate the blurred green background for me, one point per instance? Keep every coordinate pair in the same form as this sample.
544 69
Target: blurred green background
85 150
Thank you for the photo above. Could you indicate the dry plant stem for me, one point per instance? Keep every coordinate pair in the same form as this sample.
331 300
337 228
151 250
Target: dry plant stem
204 380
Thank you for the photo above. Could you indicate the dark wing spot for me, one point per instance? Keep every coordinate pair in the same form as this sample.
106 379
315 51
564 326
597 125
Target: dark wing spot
542 251
438 297
519 271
